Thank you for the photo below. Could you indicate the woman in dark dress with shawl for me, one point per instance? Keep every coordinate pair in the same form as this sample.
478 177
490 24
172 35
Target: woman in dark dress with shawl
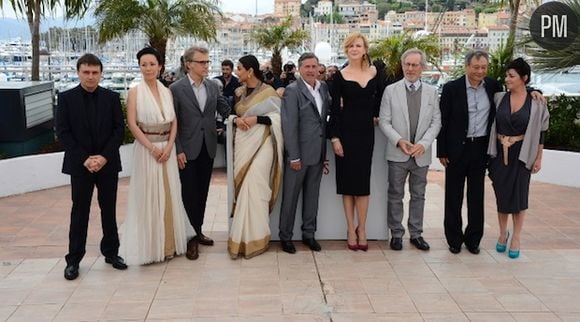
516 144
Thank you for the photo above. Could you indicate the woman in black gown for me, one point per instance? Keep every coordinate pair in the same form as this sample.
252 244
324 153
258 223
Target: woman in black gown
355 106
519 128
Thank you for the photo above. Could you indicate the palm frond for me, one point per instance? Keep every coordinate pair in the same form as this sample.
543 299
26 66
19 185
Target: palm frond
160 20
278 37
551 60
389 50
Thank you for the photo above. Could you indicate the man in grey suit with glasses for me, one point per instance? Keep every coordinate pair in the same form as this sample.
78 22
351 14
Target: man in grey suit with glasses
410 119
196 100
305 105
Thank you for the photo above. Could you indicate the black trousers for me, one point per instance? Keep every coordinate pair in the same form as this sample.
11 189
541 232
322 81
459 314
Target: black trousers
82 188
195 179
470 165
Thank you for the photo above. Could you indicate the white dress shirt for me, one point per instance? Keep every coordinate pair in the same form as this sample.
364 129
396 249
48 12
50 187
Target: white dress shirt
316 94
200 92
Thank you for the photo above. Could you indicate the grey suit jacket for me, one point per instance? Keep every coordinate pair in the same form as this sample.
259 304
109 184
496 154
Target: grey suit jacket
303 126
394 121
194 126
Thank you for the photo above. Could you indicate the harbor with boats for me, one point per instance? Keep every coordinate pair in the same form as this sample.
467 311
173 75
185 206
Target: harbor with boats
121 70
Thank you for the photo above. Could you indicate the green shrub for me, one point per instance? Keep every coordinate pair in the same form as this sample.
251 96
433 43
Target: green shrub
564 131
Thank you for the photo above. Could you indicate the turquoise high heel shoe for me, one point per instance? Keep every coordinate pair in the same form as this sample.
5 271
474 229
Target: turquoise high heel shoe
500 248
514 253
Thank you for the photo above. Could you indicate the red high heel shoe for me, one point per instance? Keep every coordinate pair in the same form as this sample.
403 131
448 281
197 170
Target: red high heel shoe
351 247
362 247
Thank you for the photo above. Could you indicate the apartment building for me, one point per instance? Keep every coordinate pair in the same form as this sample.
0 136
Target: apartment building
284 8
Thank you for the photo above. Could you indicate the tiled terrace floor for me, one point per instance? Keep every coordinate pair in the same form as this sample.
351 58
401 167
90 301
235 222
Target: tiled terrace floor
333 285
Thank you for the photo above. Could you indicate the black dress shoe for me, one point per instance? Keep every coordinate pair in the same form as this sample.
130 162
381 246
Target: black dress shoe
420 243
71 272
192 252
473 250
312 244
117 261
455 250
396 243
288 247
204 240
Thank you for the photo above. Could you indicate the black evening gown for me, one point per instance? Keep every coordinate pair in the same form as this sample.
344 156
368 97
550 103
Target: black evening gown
353 109
511 183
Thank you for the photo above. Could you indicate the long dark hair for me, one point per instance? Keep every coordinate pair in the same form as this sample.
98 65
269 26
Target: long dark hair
250 61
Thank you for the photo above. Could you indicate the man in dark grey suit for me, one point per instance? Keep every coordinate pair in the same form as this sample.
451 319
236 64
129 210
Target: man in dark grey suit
304 108
196 100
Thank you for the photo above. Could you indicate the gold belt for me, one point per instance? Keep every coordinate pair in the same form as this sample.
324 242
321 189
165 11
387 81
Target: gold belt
506 142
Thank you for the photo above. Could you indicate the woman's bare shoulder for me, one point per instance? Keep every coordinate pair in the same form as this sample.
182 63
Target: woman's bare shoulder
132 92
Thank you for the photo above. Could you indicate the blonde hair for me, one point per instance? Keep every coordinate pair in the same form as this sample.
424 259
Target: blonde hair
351 39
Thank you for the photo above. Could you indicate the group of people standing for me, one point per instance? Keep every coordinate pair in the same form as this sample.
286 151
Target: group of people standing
175 144
279 147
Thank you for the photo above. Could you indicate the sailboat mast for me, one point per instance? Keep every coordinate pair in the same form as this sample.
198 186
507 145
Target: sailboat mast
426 12
332 25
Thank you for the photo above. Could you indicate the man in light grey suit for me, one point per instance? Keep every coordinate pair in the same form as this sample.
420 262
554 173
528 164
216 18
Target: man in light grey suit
196 100
305 105
410 119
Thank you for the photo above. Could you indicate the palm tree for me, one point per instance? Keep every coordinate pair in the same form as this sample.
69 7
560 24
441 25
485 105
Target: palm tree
278 37
390 49
34 10
552 60
498 60
160 20
514 7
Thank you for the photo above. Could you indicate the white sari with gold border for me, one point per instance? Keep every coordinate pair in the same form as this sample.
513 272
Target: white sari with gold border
257 166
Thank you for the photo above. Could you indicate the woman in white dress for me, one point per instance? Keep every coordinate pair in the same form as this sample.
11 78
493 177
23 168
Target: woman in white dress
257 167
156 227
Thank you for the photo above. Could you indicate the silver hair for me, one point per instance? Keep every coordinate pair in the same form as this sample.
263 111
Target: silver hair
414 51
475 54
189 52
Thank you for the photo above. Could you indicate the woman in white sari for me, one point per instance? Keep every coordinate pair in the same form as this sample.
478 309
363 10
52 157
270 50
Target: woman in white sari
156 226
257 160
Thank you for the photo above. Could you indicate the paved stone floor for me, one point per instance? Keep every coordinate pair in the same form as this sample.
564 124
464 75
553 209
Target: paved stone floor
333 285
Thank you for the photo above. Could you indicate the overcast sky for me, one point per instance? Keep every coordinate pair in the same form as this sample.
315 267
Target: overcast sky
237 6
248 6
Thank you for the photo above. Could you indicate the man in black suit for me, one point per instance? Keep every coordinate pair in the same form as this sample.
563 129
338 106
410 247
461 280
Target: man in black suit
89 123
467 112
229 81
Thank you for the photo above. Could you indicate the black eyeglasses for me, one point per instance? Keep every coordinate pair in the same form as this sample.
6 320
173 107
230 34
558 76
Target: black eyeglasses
203 62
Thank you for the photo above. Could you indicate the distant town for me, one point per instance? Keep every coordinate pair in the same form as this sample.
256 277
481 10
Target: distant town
470 26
